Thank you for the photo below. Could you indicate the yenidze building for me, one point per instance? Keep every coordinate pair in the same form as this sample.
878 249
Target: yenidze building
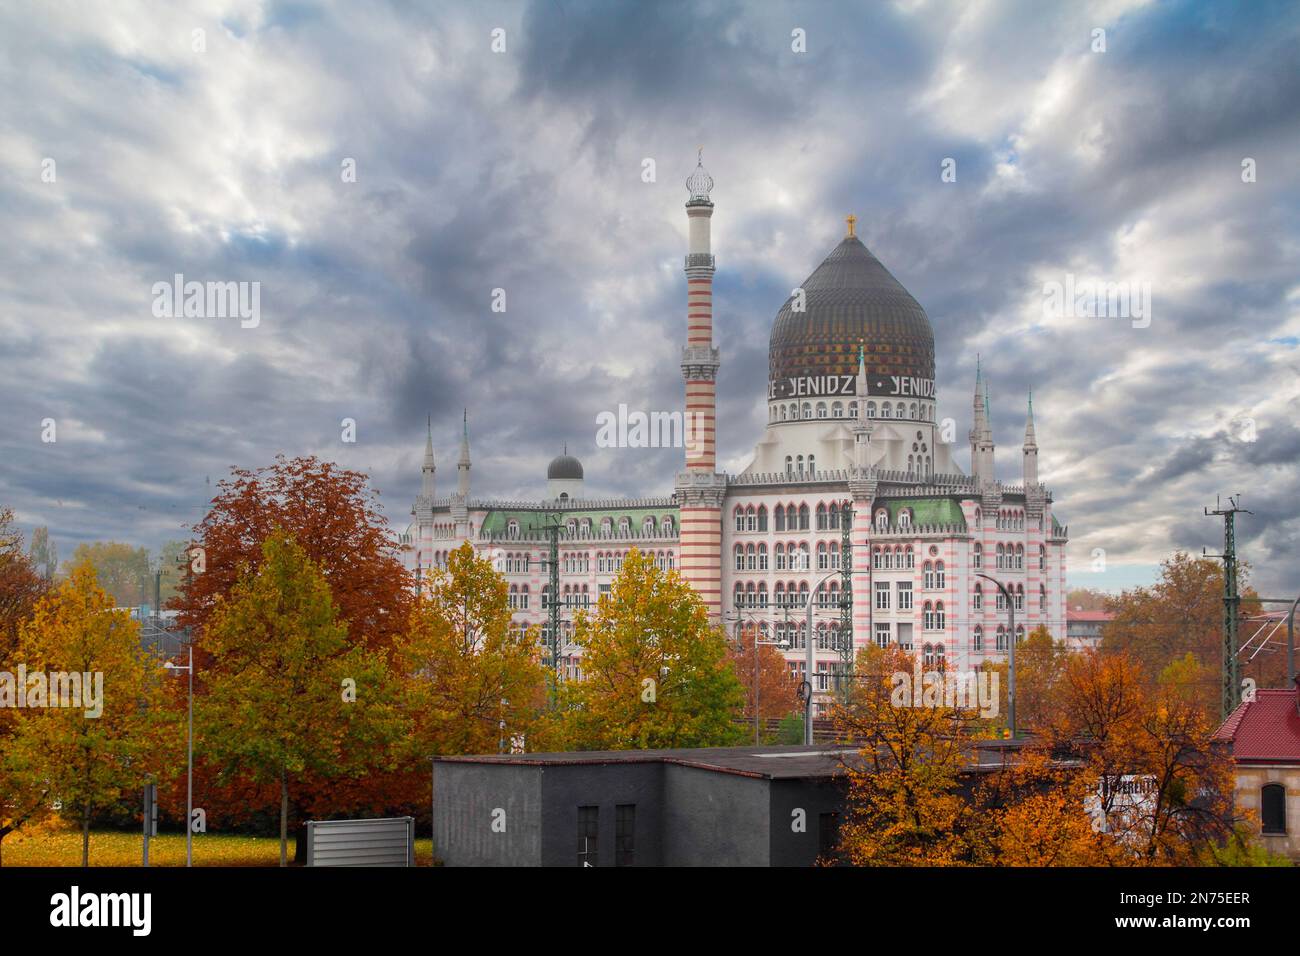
852 501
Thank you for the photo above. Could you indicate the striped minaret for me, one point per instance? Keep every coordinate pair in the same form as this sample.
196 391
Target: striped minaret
700 489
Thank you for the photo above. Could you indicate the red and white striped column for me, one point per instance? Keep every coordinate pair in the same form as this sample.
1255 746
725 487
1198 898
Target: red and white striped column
700 489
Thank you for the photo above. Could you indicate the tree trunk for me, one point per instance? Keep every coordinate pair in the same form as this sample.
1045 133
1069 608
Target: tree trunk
85 835
284 818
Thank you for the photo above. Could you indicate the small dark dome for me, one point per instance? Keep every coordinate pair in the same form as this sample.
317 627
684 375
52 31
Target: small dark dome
564 466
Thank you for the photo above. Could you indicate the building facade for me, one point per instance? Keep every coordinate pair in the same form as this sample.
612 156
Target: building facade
852 503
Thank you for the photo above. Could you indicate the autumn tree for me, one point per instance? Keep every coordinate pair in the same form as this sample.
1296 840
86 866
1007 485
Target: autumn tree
1181 612
1162 787
654 672
903 806
1040 664
333 514
286 691
471 681
21 587
88 755
1032 810
770 688
122 571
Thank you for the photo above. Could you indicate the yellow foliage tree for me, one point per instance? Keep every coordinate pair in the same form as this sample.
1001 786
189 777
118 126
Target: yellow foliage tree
471 681
654 673
87 757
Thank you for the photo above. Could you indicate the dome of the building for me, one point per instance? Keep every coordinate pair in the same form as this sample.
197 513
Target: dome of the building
564 467
851 300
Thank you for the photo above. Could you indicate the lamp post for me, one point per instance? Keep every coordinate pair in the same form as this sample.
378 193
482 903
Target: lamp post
189 758
810 664
1011 643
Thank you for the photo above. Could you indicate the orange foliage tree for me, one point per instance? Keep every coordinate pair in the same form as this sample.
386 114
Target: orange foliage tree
771 683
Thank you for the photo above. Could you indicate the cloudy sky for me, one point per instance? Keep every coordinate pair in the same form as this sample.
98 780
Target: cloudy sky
134 148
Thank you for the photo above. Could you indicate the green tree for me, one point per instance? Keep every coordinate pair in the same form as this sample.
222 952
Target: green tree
44 554
654 673
89 755
471 681
286 693
122 571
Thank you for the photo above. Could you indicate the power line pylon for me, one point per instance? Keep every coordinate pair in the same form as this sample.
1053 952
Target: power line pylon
1231 601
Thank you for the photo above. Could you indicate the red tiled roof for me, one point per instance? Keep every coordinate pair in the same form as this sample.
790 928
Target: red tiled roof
1089 616
1266 729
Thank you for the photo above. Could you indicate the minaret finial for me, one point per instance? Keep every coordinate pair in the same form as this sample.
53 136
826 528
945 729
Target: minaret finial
852 220
699 183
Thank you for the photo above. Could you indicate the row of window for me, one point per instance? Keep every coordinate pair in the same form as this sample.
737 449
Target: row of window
784 595
789 517
583 528
796 411
792 557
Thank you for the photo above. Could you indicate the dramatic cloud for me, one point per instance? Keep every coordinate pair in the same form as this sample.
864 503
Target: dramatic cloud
220 155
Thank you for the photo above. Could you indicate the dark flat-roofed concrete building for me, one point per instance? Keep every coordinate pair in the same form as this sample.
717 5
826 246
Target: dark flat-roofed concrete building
717 806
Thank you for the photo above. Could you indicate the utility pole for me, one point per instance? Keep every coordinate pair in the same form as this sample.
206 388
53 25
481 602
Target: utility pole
1231 601
846 601
553 610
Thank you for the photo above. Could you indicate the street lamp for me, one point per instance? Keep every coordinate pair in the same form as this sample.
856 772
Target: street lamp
757 645
809 663
189 758
1011 643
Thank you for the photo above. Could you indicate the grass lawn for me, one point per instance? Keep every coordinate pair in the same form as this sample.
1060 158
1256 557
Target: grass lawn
44 847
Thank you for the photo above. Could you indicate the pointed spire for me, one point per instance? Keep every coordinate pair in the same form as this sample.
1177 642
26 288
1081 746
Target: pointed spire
462 464
1030 439
428 469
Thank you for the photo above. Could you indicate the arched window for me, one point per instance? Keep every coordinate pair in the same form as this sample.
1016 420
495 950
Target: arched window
927 576
940 619
882 520
871 409
977 639
1042 558
900 410
978 557
927 654
782 413
911 410
1272 808
806 411
821 517
979 597
789 465
751 519
740 518
762 517
911 558
812 464
778 517
803 517
927 616
1002 637
837 410
762 557
648 526
779 554
905 518
885 410
939 575
821 409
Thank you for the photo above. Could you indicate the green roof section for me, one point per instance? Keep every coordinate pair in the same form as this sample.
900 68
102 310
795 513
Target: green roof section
926 511
497 521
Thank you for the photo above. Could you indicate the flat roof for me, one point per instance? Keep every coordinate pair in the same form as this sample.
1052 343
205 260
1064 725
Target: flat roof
766 762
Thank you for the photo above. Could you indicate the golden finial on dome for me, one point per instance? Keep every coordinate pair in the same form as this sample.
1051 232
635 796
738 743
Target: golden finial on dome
852 221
